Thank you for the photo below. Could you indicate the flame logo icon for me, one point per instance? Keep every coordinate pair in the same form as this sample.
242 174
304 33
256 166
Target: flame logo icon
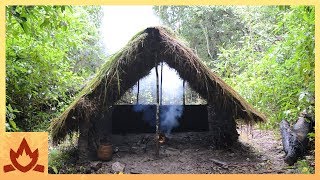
25 150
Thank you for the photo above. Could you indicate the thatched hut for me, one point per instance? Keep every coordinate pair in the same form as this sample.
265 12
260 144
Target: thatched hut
122 71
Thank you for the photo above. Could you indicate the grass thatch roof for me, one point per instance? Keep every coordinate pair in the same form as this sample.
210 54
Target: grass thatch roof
143 52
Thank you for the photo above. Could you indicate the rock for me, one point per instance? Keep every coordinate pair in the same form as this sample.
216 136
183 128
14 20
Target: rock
116 149
95 165
118 167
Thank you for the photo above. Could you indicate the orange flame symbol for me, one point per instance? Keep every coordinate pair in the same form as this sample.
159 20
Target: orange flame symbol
14 156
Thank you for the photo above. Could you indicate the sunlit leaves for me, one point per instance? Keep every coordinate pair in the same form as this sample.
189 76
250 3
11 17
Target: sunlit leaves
44 45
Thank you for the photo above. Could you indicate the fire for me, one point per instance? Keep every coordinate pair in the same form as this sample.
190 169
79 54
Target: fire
161 138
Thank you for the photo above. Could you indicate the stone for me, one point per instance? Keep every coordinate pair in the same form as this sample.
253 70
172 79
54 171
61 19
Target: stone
116 149
117 167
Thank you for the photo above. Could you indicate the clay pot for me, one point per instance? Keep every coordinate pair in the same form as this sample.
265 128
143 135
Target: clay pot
105 152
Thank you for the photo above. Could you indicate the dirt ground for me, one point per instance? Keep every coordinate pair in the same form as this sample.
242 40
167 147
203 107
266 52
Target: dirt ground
257 152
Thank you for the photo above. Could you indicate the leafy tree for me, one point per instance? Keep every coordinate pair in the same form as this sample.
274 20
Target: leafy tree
50 51
266 53
204 27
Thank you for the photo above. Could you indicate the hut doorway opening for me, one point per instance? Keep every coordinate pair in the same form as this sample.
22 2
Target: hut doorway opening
181 109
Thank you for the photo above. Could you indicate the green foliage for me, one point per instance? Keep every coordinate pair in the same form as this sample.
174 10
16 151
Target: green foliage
55 160
304 167
266 53
280 80
50 51
11 116
204 27
311 136
61 158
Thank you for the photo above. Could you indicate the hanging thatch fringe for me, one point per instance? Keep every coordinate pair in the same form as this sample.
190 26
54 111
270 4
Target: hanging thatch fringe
133 62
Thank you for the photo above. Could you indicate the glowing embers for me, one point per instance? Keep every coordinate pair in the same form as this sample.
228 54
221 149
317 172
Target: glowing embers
162 138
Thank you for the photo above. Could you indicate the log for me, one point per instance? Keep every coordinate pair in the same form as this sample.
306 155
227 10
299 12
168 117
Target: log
302 128
294 140
286 134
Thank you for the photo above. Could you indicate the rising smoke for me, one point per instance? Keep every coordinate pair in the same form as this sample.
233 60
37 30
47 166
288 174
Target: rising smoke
169 116
172 98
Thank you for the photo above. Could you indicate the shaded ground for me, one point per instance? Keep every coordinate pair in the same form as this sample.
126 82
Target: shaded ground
258 151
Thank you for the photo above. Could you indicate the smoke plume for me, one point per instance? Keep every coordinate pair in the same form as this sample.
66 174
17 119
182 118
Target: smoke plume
172 98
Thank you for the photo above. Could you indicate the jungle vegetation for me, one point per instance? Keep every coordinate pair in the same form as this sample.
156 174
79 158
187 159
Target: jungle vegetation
265 53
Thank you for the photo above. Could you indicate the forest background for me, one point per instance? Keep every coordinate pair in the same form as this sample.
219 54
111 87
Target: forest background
266 53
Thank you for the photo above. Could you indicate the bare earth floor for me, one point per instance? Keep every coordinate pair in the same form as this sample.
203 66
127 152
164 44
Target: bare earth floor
258 151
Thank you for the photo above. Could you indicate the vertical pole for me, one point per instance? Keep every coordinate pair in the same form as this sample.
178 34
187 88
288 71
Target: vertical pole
161 84
157 114
184 93
138 92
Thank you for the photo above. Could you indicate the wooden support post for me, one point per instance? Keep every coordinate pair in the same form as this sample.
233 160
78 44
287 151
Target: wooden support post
138 92
184 93
157 114
161 83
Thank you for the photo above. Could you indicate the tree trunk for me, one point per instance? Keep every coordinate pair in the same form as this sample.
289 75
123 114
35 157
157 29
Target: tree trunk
205 32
